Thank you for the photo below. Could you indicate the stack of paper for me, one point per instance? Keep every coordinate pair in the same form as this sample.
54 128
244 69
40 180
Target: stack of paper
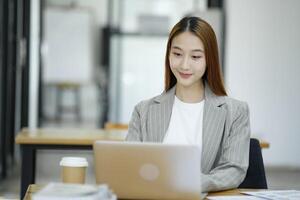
276 194
60 191
263 195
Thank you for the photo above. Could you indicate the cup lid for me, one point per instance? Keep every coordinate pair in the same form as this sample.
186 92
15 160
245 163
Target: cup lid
73 162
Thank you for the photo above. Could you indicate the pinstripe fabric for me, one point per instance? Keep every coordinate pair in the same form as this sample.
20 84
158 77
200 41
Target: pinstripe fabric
226 135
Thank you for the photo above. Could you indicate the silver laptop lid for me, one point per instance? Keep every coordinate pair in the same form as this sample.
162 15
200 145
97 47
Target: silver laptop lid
149 170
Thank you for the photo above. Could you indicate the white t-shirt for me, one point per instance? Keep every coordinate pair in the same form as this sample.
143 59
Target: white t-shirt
185 124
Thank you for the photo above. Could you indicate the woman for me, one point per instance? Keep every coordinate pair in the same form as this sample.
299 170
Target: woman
195 109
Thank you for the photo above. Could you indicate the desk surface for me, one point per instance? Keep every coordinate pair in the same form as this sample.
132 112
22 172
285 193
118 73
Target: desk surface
75 136
68 136
235 192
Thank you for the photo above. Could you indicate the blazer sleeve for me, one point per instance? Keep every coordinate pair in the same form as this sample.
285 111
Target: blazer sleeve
232 166
134 128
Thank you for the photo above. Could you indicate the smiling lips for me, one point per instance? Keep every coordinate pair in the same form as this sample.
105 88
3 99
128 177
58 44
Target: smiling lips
185 75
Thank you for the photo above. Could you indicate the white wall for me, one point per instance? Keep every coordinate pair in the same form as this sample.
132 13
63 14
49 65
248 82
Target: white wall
262 68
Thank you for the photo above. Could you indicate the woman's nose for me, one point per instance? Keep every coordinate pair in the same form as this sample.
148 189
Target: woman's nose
185 63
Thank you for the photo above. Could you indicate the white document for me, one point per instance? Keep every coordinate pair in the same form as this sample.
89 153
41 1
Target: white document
234 198
276 194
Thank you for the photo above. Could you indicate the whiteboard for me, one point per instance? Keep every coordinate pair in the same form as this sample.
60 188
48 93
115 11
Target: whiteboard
67 49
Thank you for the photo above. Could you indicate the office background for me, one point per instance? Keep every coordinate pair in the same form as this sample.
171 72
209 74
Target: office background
260 54
260 67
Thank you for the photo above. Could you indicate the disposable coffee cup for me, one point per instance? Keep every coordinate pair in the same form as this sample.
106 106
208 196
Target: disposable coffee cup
73 169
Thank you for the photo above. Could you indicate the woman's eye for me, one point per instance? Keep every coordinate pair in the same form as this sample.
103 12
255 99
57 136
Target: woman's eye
176 54
196 57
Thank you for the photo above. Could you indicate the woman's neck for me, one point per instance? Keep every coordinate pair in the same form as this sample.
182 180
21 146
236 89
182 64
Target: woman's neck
191 94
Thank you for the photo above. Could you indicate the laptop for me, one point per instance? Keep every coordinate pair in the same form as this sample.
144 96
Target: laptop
149 170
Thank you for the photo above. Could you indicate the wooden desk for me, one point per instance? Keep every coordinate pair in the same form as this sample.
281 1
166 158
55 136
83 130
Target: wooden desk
235 192
32 140
79 139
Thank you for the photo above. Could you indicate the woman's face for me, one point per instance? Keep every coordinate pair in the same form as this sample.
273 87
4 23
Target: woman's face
187 59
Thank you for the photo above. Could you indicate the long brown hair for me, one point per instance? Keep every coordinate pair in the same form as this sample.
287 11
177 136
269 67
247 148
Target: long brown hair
206 34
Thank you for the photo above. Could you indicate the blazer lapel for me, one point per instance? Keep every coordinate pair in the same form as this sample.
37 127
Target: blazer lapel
213 126
160 115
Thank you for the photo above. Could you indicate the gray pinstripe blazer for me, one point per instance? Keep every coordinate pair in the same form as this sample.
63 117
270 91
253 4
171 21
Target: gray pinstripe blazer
226 135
